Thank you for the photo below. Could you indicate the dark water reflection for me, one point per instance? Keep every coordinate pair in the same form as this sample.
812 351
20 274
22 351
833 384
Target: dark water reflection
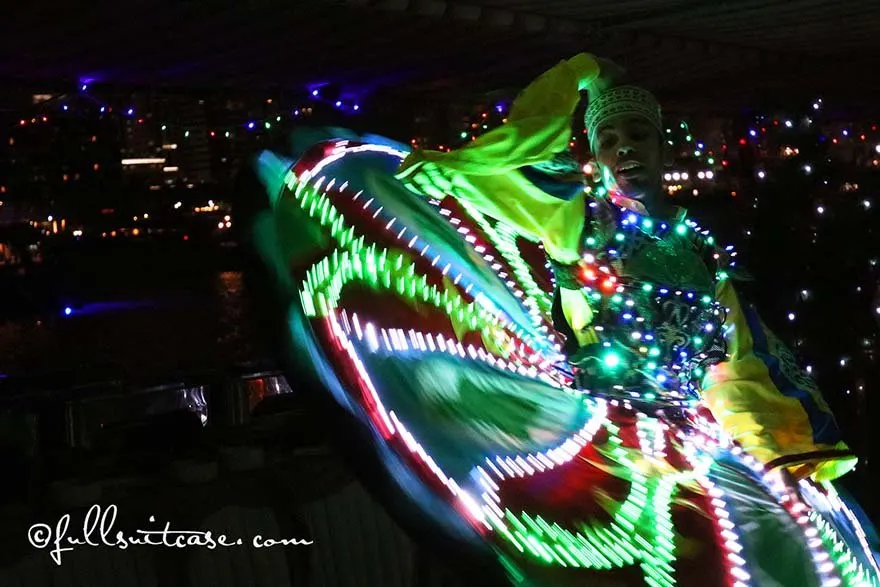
132 321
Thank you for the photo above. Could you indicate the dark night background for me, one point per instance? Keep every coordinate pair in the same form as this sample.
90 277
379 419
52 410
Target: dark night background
134 354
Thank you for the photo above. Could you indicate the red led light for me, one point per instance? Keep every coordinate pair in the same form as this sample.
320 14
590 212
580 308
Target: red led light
609 284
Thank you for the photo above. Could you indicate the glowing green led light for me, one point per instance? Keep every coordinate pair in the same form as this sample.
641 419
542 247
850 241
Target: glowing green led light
710 160
505 240
722 275
710 240
611 360
681 229
852 572
591 241
647 287
647 223
706 299
619 237
654 352
616 298
698 341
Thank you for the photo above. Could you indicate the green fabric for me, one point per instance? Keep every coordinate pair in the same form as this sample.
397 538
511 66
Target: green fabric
671 261
538 127
486 172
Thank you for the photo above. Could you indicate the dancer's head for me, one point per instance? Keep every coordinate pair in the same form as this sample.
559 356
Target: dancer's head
626 138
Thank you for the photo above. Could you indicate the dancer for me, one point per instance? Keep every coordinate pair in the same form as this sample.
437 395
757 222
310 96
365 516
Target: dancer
759 394
684 448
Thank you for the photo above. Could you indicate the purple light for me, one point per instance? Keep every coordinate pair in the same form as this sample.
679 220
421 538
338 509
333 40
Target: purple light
84 87
65 107
250 125
499 108
103 108
356 107
130 111
68 311
753 132
314 92
296 112
338 103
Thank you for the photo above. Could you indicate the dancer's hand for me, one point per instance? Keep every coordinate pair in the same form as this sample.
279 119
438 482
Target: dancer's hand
610 74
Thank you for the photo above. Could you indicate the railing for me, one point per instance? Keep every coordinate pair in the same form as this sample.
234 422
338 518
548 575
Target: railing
225 451
41 415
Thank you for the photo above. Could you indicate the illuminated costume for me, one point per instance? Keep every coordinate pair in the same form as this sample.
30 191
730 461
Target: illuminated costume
425 320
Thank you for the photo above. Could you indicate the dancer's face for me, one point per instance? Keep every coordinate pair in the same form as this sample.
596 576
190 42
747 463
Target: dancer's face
630 157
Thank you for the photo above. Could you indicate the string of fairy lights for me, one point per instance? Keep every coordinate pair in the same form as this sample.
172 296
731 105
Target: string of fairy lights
709 157
49 107
704 160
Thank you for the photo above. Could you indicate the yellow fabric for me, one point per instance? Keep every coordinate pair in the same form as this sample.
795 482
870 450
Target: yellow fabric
742 397
578 314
